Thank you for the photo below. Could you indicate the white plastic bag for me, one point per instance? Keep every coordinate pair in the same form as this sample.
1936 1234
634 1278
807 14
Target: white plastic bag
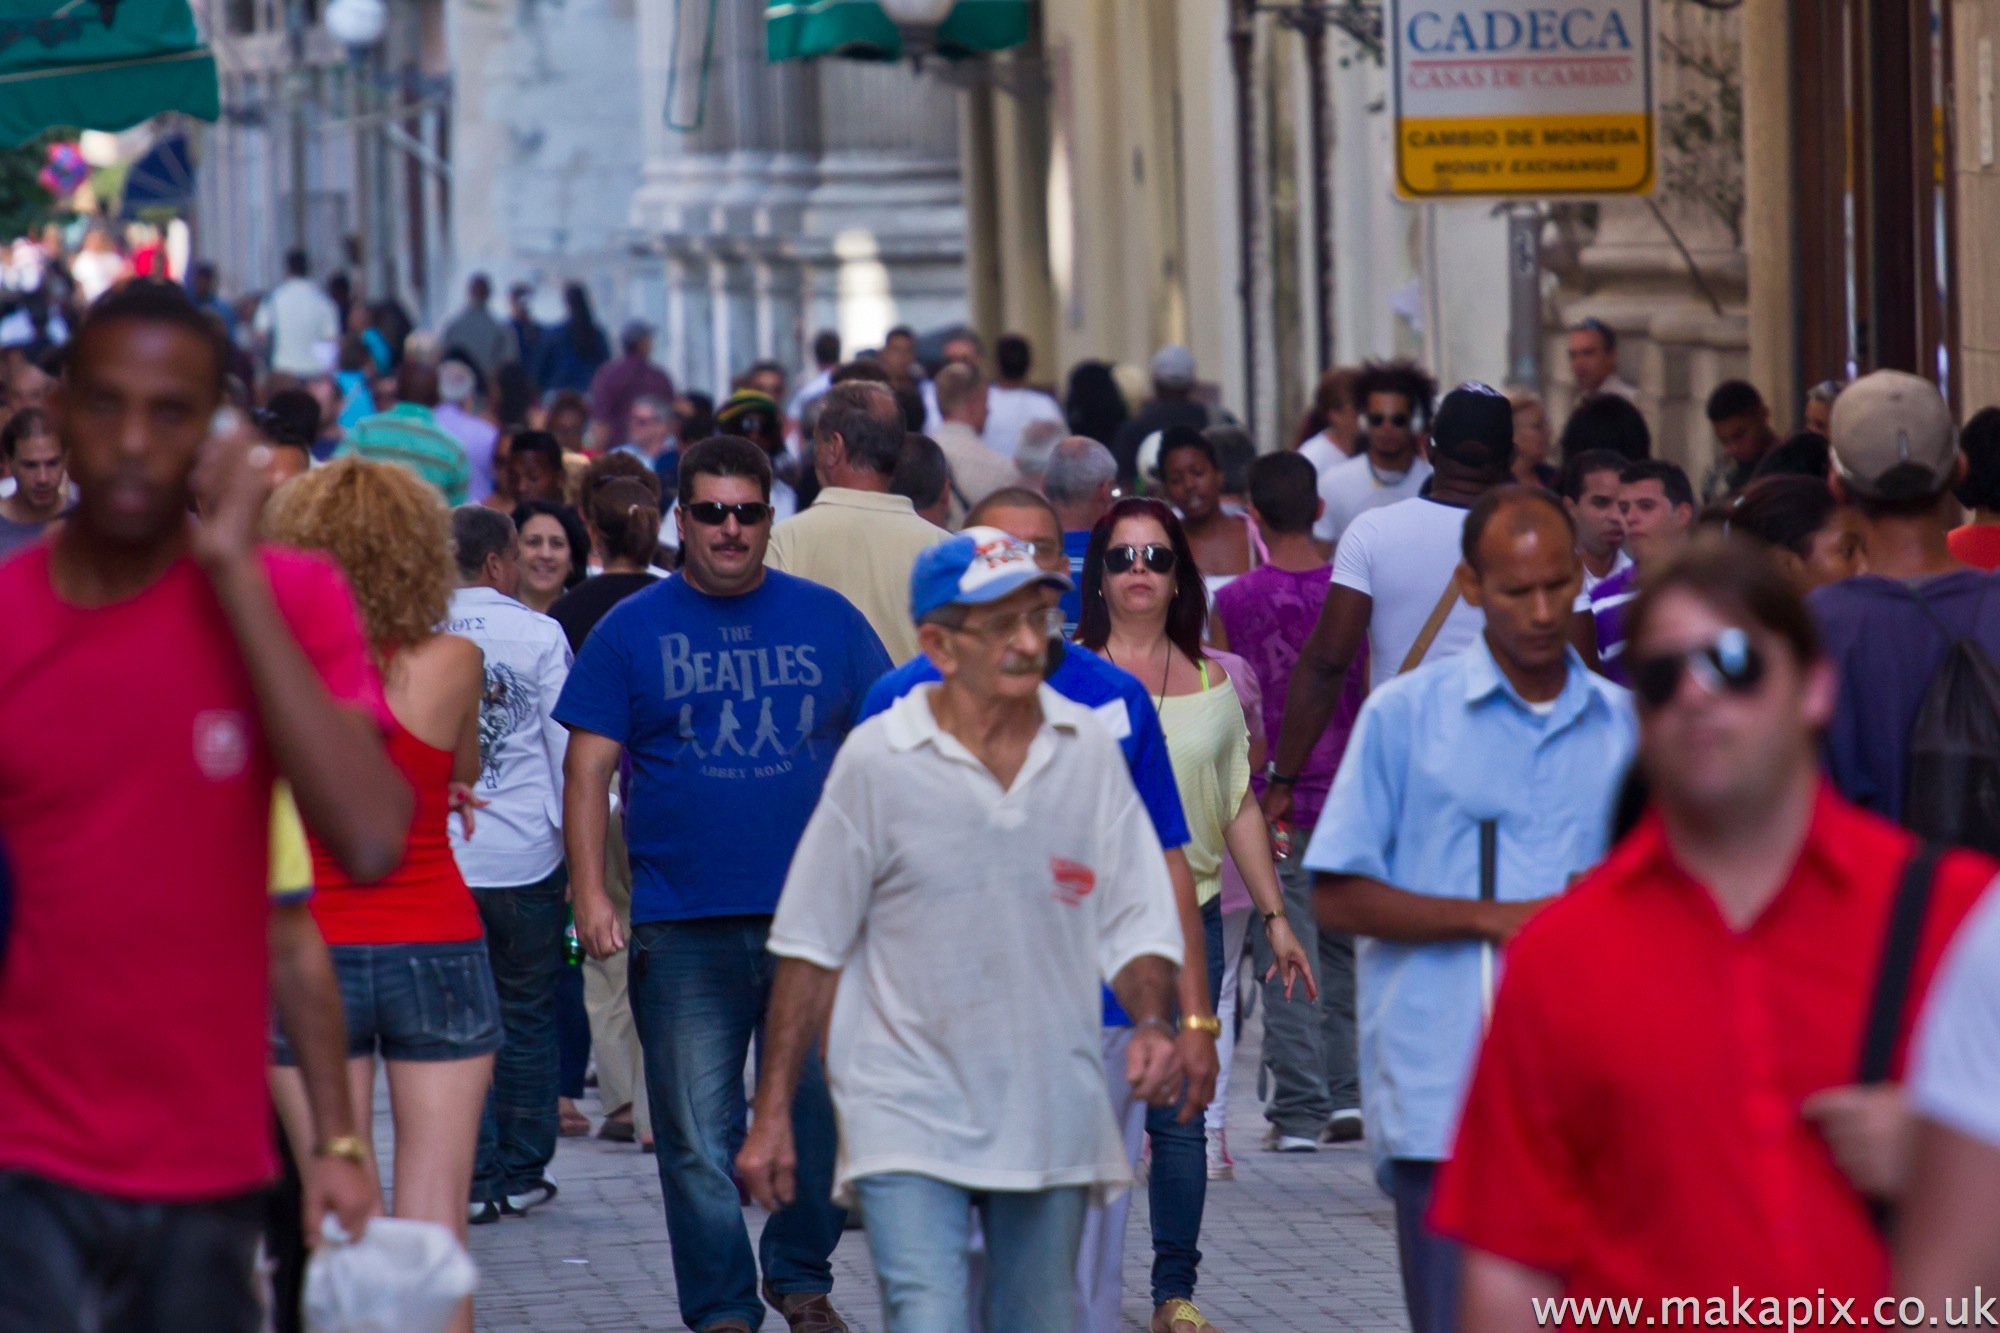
400 1277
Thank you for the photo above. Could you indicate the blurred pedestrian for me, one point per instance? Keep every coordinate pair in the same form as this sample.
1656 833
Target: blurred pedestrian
34 458
1011 404
923 476
1741 421
857 538
535 468
1896 454
135 1144
1977 542
1093 405
458 415
1534 439
1225 545
1472 791
297 323
1592 346
1589 488
1395 583
1394 401
409 435
1266 616
488 343
569 354
619 383
1656 513
409 950
977 470
1605 1072
1814 538
1081 483
1338 411
1173 404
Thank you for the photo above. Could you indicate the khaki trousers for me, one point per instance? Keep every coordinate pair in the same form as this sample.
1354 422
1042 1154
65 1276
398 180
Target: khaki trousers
621 1067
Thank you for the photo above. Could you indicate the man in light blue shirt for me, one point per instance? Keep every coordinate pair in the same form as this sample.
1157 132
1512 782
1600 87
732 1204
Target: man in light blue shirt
1474 789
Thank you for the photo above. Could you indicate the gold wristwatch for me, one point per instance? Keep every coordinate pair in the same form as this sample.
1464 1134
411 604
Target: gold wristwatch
1208 1023
347 1147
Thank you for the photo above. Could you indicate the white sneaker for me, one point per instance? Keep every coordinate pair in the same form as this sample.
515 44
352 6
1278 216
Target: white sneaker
1276 1142
1343 1127
1221 1166
534 1196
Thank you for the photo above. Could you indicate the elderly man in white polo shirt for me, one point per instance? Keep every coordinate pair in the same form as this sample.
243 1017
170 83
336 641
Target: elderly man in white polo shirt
979 859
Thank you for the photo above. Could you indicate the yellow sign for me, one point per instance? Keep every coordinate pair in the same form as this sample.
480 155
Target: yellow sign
1506 98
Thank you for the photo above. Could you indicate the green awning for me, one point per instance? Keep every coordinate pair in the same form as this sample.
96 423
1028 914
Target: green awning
864 30
102 65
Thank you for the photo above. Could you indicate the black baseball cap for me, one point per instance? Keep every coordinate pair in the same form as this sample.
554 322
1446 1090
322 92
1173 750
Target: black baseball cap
1474 426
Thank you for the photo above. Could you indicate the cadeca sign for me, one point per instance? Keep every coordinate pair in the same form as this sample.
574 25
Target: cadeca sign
1512 98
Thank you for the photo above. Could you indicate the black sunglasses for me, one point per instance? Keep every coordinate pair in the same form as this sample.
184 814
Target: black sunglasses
1396 419
1730 664
713 514
1159 559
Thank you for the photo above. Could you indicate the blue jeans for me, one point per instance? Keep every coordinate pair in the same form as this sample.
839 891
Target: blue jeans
524 940
919 1231
699 991
1177 1189
1428 1260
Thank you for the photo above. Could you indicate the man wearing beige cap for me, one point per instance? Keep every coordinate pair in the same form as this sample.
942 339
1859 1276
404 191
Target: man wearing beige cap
1895 458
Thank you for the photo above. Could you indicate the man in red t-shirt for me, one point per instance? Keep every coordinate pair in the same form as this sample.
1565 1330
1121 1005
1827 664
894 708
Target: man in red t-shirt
157 676
1662 1112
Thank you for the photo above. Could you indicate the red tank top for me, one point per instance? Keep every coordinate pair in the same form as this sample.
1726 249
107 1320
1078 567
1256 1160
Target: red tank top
424 900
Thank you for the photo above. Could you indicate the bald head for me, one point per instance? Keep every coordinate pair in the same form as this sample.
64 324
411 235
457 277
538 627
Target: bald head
1506 515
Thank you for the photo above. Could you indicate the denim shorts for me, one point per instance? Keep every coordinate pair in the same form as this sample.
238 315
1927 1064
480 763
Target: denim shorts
413 1002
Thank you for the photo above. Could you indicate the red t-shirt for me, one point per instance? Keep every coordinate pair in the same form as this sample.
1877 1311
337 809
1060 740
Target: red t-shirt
1633 1126
135 807
1977 544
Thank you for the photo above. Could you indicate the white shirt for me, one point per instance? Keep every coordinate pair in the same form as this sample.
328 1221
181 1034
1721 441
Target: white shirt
1955 1064
517 839
971 927
815 387
1323 453
1353 486
1404 556
303 325
1011 411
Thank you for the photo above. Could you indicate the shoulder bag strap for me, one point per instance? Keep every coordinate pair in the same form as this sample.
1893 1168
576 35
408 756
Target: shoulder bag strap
1899 955
1428 634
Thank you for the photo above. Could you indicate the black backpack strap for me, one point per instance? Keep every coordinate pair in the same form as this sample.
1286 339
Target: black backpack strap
1489 860
1891 996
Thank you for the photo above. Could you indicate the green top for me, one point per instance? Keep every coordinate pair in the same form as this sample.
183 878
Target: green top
408 434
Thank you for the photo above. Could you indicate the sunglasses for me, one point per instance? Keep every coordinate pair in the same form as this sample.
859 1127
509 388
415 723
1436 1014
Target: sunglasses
1396 419
1159 559
712 514
1729 665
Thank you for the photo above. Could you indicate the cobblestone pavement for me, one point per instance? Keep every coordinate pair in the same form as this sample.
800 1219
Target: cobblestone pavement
1298 1242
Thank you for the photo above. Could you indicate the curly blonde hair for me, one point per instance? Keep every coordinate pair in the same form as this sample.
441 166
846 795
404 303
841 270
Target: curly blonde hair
389 531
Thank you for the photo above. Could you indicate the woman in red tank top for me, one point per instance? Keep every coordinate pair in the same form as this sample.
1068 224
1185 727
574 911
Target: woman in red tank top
409 951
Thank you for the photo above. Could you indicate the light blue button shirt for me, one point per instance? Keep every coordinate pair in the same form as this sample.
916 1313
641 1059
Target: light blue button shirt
1435 751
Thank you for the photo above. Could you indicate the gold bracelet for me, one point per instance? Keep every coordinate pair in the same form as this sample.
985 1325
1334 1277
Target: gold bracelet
1208 1023
347 1147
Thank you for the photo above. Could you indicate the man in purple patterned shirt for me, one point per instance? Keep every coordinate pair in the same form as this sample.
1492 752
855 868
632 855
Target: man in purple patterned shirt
1265 617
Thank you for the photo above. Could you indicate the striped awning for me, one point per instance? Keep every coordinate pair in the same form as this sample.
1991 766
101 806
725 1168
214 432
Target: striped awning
868 30
101 65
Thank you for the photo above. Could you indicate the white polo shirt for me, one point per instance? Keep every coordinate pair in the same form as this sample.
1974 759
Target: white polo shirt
971 927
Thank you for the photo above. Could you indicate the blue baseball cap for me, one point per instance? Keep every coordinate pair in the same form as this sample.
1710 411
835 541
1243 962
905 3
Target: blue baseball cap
977 566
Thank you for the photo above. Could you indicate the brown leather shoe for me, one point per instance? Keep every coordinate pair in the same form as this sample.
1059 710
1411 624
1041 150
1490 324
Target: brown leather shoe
806 1311
728 1326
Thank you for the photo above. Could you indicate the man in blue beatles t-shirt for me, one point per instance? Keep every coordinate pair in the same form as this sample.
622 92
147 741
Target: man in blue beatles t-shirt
731 687
1126 710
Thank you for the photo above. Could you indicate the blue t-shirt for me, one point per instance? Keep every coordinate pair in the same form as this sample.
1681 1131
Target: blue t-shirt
1886 647
1074 545
731 709
1126 710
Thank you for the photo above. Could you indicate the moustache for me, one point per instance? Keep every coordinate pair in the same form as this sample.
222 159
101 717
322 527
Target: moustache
1025 666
